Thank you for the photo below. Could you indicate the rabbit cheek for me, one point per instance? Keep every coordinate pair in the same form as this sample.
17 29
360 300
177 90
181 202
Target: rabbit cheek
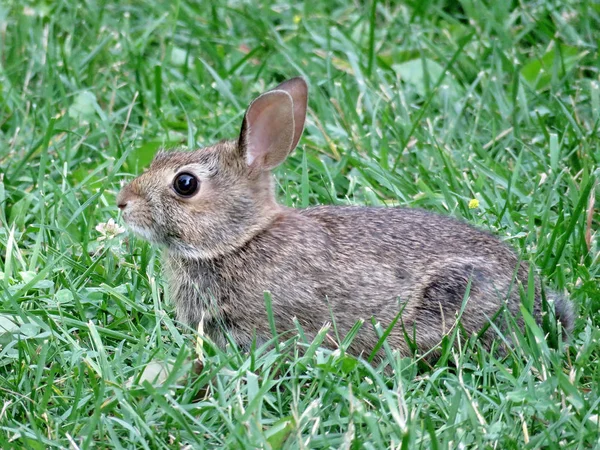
170 218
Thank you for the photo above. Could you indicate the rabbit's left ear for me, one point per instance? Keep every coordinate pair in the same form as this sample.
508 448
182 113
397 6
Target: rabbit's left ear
273 124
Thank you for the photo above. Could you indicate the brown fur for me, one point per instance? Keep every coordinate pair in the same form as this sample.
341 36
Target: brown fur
232 241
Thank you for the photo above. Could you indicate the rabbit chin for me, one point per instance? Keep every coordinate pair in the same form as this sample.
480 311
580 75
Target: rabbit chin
142 232
175 246
186 251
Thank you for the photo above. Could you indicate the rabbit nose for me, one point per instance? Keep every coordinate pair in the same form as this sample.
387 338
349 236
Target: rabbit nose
123 198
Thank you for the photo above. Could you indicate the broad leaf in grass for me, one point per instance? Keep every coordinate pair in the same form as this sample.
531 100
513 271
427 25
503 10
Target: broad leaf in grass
279 432
155 372
8 324
143 155
559 60
84 107
416 71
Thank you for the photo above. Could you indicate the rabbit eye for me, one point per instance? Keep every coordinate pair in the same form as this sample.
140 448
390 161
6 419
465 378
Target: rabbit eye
186 184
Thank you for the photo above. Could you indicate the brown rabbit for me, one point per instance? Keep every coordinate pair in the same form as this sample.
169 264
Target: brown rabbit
227 241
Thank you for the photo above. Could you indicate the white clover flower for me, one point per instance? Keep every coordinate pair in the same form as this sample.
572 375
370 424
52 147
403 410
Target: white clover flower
109 230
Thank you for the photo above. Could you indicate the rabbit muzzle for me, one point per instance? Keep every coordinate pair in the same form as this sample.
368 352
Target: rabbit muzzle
136 213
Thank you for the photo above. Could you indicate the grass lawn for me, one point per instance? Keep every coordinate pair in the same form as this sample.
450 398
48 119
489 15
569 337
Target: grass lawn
484 110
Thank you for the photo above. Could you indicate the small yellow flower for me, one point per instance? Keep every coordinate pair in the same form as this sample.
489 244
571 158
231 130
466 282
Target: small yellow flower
473 203
297 18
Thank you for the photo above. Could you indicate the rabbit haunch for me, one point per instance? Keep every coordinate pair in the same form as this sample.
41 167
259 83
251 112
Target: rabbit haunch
230 241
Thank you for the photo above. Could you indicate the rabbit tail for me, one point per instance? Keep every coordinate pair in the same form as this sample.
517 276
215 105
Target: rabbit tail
564 311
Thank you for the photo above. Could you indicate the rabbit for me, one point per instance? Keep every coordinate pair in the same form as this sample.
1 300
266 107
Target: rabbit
227 241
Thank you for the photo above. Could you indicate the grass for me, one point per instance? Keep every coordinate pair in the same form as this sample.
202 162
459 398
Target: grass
428 104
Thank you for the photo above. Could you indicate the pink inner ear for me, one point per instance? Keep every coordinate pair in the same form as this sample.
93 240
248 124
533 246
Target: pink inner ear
269 129
298 90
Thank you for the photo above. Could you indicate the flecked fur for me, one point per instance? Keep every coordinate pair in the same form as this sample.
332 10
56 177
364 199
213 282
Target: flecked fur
232 242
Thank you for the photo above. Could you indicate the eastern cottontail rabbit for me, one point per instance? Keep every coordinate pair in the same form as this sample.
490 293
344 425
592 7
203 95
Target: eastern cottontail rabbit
228 241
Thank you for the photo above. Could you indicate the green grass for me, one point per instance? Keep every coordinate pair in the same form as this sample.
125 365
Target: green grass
425 104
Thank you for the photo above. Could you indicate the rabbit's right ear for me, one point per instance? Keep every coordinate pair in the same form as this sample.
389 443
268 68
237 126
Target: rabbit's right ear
273 124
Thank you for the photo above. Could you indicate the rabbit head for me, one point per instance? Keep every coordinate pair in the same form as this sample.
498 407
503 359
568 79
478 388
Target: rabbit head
207 202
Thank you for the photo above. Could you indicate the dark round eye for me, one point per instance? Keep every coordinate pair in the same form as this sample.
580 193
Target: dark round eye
186 184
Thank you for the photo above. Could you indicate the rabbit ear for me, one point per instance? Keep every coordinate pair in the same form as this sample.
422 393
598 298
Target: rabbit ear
273 124
298 90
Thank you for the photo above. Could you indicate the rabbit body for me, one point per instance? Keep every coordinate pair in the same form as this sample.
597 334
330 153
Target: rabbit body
228 241
349 263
